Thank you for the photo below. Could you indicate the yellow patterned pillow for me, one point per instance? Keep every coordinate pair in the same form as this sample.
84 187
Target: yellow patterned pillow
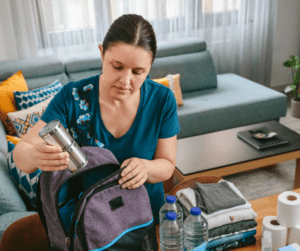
173 82
7 99
13 139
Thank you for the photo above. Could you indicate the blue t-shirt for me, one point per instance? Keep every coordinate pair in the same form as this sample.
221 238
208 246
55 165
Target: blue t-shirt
77 107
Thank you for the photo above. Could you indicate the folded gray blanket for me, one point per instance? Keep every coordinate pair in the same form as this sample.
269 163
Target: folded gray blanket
224 229
213 197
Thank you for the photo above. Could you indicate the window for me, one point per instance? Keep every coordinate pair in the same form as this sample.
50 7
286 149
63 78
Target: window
150 9
214 6
175 8
218 13
68 14
62 23
64 15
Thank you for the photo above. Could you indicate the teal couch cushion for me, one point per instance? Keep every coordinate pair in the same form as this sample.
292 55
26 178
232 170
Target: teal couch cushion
32 67
34 83
236 102
82 62
83 74
37 71
82 66
179 46
197 71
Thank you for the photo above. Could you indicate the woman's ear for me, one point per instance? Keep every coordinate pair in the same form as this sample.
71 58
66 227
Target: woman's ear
101 51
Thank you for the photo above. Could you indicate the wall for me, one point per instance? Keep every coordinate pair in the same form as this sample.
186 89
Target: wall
286 41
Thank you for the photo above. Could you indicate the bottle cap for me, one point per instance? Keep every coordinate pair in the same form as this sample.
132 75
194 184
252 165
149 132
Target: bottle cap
171 216
195 211
171 199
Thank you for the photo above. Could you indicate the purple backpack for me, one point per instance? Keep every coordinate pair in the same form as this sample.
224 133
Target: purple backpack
88 209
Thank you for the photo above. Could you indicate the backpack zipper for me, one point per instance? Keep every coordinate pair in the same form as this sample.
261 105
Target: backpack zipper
71 233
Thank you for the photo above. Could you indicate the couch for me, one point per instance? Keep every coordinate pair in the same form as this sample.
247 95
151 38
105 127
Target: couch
211 102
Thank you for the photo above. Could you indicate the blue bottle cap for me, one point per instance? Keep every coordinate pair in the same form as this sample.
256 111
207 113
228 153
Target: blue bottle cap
171 216
171 199
195 211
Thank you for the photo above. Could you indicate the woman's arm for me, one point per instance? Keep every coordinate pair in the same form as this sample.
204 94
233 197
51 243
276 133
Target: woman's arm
153 171
22 152
32 153
163 164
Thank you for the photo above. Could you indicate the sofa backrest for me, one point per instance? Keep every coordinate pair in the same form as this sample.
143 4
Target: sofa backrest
82 66
38 71
187 56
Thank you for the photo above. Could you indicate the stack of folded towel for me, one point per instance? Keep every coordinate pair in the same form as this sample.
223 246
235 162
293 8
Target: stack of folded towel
231 220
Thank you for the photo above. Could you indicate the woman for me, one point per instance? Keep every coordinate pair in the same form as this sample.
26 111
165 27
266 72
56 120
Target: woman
121 110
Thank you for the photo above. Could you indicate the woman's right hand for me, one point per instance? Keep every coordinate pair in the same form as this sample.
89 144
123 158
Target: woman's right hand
49 157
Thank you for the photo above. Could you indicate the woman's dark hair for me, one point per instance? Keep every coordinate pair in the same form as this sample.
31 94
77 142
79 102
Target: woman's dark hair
131 29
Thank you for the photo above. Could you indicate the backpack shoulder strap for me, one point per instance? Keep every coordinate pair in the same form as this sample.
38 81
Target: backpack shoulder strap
39 206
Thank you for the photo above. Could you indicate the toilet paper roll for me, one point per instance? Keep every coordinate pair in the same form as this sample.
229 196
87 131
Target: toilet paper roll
288 209
279 233
294 235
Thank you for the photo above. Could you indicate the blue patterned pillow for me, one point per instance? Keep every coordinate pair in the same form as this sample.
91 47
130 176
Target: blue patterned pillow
24 181
27 99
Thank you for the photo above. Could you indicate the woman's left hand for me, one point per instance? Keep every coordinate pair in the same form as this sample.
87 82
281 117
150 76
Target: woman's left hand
135 171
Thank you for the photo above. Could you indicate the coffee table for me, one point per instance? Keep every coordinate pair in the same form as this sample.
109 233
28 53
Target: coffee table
262 207
223 153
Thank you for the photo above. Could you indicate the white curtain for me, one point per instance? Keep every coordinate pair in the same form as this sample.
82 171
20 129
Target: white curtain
19 33
70 26
238 33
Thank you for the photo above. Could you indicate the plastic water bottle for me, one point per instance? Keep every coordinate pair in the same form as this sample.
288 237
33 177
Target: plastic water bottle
266 243
171 234
196 231
170 206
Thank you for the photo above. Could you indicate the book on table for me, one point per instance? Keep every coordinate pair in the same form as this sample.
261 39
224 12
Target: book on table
262 143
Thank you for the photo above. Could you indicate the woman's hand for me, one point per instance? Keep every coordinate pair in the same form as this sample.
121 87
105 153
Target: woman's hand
49 157
135 172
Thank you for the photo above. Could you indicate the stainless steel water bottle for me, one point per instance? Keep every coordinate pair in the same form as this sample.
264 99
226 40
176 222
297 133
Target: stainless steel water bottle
55 134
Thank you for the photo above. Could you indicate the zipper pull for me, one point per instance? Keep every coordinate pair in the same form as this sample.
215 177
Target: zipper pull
68 242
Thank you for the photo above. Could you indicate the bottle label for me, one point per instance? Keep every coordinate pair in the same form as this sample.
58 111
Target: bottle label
202 247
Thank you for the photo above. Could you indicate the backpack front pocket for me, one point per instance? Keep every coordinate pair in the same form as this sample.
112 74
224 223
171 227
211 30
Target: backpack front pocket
110 213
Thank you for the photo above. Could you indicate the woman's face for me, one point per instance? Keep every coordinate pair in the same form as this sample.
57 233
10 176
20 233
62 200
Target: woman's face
125 68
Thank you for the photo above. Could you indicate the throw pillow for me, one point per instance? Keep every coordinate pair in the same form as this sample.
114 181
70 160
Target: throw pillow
13 139
24 120
30 98
11 142
173 82
7 100
27 183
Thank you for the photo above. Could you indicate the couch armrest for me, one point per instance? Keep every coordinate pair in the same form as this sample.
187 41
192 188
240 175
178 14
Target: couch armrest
11 200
